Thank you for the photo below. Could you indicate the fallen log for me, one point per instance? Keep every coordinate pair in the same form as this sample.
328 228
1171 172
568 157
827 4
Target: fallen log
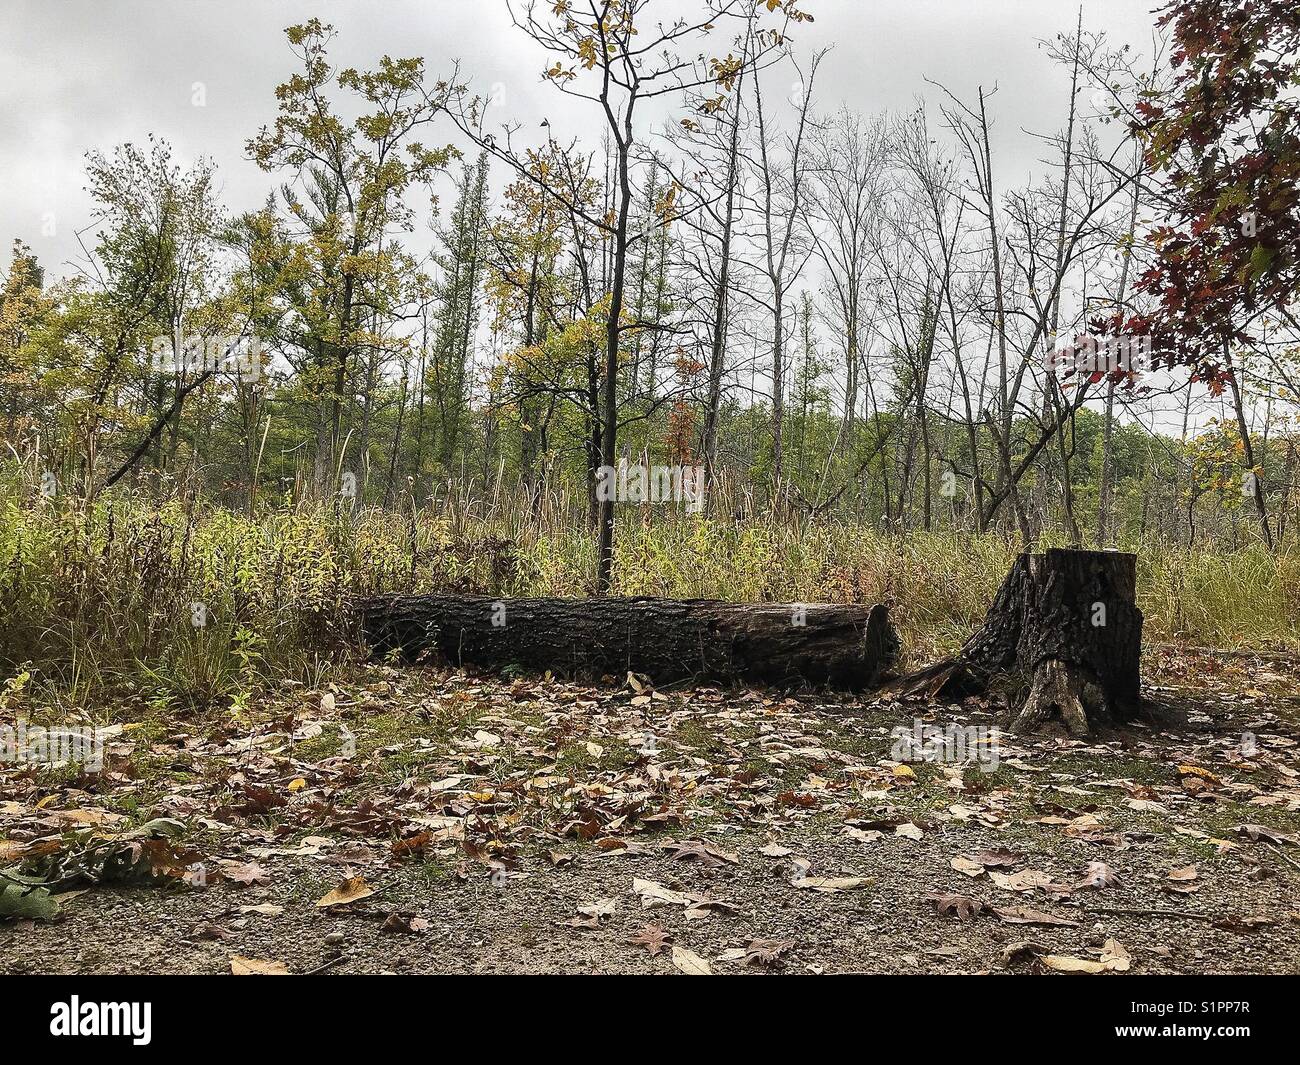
1063 636
668 640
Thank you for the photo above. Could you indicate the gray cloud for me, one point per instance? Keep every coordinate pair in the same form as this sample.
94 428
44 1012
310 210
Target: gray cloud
77 75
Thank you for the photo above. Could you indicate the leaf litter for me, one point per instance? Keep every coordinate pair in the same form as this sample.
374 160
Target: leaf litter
760 818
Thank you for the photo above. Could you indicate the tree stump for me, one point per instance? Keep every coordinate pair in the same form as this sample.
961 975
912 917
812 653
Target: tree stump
1065 628
844 646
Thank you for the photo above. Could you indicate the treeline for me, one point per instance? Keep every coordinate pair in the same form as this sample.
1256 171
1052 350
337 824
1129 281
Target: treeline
834 315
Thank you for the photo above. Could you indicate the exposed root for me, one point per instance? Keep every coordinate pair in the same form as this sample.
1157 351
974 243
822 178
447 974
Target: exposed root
1061 690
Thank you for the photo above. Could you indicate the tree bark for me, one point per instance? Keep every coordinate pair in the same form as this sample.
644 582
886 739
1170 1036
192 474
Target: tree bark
1253 471
695 640
158 426
718 337
1064 634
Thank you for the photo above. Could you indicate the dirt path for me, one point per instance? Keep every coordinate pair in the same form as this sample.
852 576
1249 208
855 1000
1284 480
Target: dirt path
531 826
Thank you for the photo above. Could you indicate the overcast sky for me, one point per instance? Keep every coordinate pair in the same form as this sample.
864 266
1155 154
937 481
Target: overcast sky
77 75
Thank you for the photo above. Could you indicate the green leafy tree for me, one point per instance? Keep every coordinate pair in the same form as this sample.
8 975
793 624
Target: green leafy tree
345 206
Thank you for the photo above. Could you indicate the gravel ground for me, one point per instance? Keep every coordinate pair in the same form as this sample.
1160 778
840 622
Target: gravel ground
555 898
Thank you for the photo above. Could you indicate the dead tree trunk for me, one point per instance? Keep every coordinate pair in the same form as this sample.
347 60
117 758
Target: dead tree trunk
668 640
1064 629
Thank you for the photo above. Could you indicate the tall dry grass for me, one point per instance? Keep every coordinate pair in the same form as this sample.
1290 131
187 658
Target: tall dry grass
95 600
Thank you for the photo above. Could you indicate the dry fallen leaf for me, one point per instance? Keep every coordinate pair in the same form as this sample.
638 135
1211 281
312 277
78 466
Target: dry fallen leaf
1065 964
655 894
766 952
702 851
1025 915
1097 875
704 907
404 922
963 907
690 963
696 906
1022 948
998 859
241 966
600 910
352 889
653 937
267 909
1114 959
243 872
965 865
1024 880
833 883
1268 835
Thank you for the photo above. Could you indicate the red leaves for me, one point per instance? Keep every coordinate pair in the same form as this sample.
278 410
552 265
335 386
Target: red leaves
1227 144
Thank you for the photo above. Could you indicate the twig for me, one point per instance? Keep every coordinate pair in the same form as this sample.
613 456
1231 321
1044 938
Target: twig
328 964
1283 855
1159 911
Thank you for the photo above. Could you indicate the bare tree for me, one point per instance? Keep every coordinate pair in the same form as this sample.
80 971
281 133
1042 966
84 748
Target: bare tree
784 244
